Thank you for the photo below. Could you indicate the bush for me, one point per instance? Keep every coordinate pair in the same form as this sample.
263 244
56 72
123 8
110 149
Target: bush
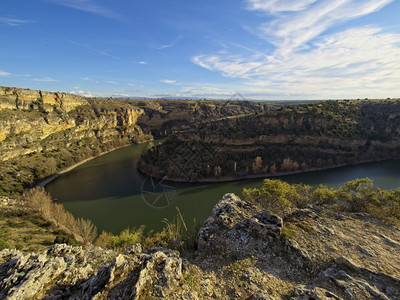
86 230
39 200
279 196
103 240
4 245
324 195
127 237
65 239
156 240
357 195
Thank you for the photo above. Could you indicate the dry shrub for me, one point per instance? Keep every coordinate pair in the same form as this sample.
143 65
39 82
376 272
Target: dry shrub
40 201
86 230
103 240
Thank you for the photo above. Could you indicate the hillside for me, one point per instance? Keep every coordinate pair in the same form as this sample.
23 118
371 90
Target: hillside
42 133
280 141
244 252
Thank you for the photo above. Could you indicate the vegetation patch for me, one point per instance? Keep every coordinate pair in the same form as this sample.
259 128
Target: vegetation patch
355 196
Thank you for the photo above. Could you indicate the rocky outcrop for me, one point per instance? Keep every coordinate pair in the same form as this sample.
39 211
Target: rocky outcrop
26 99
236 228
74 273
235 224
242 254
30 117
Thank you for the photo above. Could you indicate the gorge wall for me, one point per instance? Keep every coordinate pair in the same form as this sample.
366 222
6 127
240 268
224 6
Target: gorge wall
280 140
44 132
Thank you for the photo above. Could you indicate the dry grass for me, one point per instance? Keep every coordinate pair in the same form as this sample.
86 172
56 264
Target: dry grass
26 232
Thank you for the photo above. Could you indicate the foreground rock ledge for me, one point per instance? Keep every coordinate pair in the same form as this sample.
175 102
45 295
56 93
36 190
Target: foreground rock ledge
242 254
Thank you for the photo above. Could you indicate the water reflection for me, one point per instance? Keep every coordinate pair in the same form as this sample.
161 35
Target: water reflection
108 190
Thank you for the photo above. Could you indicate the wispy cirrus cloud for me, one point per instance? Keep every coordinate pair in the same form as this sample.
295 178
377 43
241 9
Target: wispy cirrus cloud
13 21
274 6
168 81
45 79
305 59
89 6
291 33
171 44
4 73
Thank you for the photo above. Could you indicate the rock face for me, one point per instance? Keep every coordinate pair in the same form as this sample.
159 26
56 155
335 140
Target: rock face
30 117
74 273
42 133
26 99
237 229
240 222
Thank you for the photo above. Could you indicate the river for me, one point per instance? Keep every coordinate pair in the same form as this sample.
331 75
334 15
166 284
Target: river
111 192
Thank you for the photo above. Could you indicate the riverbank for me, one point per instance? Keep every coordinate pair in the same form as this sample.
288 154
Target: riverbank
47 180
222 179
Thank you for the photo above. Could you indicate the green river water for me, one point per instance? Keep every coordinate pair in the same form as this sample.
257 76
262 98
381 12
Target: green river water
111 192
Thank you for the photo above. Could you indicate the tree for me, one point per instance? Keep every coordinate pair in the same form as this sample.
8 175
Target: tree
86 230
286 164
257 165
39 200
217 171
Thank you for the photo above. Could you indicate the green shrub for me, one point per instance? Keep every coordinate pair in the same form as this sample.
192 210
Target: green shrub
278 196
358 195
65 239
4 245
127 237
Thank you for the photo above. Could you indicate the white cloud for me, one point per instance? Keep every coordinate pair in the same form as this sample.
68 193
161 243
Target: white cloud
142 63
13 21
278 5
121 95
306 62
82 93
342 63
4 73
89 6
45 79
171 44
291 32
167 81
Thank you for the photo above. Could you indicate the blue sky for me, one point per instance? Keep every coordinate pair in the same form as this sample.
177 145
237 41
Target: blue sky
265 49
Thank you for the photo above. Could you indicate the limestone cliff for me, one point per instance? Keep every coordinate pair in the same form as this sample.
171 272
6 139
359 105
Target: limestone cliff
61 128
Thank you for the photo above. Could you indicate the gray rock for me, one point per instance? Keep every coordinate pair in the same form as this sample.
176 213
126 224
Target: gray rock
134 250
239 221
315 293
360 283
28 274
